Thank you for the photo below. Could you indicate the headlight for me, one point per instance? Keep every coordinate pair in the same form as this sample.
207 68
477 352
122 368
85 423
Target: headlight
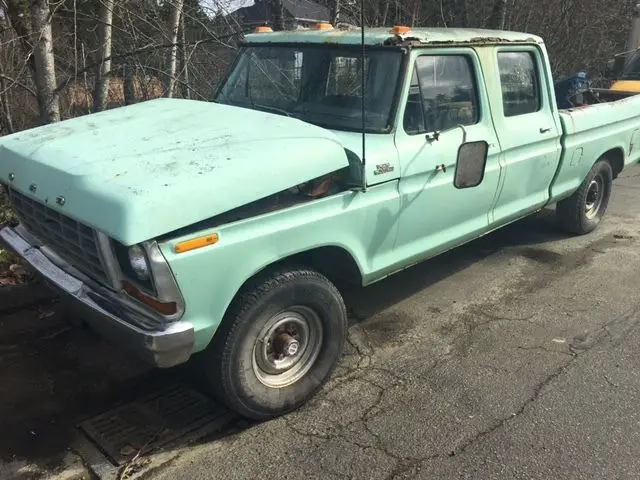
139 263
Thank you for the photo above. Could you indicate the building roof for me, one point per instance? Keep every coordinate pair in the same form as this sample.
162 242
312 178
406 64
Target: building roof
261 11
307 10
380 36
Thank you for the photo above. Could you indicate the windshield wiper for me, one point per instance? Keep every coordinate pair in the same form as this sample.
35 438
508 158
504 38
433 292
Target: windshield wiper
269 107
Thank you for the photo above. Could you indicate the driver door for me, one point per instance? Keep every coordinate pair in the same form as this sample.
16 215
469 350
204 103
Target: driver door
447 106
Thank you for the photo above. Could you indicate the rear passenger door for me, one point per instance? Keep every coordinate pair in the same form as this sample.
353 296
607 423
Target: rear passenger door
525 116
446 104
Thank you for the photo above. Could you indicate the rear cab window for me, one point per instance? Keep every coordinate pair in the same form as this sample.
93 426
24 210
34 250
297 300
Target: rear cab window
520 83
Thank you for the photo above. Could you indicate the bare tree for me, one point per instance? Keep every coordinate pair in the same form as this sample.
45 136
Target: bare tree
45 69
335 12
498 17
6 121
104 34
20 23
184 61
278 12
149 47
176 13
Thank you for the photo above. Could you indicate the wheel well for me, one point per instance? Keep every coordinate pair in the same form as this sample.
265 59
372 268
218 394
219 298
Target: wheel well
335 263
615 157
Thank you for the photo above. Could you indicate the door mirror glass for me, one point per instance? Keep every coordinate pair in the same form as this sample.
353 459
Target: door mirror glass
472 159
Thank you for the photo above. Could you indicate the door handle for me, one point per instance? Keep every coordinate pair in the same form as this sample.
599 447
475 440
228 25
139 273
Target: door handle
545 130
443 168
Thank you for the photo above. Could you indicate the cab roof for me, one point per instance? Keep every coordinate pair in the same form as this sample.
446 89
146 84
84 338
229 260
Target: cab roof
385 36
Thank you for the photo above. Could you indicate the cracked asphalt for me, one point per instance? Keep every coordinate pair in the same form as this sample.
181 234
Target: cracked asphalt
516 356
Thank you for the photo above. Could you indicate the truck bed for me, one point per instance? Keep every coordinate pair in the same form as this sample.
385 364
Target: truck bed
603 124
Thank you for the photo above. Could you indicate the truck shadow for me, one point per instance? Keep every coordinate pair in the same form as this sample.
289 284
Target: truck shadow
55 376
523 237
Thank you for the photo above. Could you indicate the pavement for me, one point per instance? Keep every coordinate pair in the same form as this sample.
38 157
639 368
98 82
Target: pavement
515 356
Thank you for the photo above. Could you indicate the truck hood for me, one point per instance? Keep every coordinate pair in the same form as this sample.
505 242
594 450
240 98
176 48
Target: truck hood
141 171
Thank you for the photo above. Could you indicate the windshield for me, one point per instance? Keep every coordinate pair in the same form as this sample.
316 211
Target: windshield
632 70
316 84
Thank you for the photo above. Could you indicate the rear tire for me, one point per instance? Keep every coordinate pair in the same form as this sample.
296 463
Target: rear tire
582 212
279 343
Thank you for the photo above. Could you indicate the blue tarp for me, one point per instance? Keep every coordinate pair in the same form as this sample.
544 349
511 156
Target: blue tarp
570 86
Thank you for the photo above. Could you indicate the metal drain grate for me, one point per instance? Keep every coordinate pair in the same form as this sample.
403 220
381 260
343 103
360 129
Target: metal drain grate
154 421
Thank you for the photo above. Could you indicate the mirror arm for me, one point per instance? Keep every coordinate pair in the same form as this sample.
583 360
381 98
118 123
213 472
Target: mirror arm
464 133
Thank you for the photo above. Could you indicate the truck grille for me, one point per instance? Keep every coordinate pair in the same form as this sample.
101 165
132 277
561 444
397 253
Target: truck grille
71 240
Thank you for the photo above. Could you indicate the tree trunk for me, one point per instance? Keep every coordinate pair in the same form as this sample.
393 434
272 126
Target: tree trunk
104 71
129 86
186 92
6 122
278 14
45 75
19 20
173 52
386 13
498 15
335 12
503 14
414 15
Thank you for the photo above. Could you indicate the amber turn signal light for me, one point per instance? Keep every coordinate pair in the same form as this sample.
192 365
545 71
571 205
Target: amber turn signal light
195 243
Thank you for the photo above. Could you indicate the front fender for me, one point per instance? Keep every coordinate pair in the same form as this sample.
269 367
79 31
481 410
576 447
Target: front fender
362 224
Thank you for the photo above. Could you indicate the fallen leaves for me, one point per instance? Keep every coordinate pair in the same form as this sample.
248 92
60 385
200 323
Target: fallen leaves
15 274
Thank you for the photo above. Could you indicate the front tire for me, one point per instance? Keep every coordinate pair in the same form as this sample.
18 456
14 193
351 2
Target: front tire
279 343
582 212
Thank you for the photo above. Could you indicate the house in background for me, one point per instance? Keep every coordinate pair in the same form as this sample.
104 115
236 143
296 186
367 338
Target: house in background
296 13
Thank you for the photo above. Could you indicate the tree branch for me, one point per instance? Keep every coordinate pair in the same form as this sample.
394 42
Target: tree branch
19 84
134 53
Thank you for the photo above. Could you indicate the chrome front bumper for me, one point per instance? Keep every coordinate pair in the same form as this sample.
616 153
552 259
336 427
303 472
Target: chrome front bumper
106 315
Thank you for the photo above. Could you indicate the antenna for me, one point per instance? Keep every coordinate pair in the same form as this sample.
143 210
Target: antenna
362 88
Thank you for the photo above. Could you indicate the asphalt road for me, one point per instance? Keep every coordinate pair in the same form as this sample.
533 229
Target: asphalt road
516 356
513 357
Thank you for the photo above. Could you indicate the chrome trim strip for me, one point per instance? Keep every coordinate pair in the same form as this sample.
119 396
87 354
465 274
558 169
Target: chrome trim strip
164 281
109 261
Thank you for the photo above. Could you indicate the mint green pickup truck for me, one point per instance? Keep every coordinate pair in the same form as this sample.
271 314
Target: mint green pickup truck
225 230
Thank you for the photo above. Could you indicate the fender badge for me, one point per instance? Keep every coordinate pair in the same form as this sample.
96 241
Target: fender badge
383 168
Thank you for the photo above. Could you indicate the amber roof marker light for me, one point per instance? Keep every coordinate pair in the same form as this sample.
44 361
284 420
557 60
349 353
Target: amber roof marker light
400 29
263 29
323 26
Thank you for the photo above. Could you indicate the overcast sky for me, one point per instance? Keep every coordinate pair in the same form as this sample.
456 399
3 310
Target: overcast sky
228 5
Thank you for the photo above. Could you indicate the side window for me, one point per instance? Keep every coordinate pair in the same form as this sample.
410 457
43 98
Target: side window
414 111
519 79
442 94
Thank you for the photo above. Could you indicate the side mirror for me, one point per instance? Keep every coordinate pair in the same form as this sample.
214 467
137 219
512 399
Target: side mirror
470 166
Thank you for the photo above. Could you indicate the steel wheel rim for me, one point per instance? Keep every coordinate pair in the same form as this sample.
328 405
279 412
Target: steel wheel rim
277 361
595 195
